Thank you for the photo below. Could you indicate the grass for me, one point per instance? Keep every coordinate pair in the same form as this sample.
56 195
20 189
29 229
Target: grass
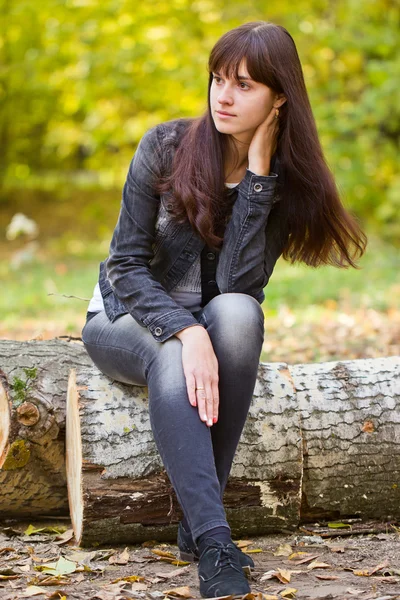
38 288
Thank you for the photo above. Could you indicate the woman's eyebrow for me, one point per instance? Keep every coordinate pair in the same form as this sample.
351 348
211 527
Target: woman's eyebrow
239 77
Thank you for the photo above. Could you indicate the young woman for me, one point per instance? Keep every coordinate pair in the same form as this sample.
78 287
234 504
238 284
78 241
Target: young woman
208 206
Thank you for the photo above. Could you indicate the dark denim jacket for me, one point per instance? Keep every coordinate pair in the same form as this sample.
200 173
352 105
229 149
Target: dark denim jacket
138 274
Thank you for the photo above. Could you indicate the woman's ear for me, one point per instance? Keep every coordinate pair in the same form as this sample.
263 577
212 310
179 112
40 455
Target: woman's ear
279 100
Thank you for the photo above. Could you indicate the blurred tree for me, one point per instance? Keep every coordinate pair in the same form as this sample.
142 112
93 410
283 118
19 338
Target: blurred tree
81 81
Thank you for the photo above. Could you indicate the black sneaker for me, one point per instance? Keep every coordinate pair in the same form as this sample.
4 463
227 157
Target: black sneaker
220 572
189 551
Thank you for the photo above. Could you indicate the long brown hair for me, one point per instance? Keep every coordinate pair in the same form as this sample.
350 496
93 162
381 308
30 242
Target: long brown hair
321 230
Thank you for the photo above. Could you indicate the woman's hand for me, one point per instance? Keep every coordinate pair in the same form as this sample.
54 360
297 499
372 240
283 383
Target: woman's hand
263 145
200 366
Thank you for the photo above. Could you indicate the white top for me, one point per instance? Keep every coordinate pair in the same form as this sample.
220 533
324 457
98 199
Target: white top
187 292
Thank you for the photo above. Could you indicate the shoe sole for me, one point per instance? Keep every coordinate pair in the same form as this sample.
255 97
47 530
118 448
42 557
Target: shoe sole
188 556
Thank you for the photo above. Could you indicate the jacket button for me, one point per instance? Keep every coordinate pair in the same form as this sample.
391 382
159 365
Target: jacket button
210 256
212 282
158 331
169 207
258 187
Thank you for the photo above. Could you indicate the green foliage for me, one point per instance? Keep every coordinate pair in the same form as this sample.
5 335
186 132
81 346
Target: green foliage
22 387
81 81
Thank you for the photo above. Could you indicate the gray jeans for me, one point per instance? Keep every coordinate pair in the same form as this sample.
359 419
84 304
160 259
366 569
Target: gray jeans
197 458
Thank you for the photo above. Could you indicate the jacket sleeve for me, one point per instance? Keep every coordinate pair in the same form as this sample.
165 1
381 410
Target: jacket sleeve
254 237
128 264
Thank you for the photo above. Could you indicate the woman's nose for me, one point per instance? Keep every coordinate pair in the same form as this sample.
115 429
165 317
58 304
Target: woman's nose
225 96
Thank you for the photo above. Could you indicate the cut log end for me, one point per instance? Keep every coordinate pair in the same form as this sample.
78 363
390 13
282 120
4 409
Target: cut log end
4 424
74 456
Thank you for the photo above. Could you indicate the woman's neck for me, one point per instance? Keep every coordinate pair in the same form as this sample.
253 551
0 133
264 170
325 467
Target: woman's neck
235 166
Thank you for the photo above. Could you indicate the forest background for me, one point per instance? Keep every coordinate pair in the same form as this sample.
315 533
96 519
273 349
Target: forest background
80 83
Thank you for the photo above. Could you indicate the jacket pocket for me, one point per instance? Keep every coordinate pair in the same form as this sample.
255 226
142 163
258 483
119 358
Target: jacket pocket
166 225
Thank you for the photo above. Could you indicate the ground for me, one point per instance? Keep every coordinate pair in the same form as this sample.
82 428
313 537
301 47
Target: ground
293 565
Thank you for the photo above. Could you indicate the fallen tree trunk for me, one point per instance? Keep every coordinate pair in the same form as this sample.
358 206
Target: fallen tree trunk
350 423
33 385
321 441
310 449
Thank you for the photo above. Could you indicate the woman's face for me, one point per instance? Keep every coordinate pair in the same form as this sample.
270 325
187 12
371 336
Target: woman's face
249 102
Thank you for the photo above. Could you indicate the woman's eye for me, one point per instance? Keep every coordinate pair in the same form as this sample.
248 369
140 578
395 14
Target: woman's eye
240 82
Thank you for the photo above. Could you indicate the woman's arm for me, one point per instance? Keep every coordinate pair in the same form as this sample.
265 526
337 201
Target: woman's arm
128 264
254 237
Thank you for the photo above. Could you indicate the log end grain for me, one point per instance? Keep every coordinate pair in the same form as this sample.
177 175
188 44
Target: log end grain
4 424
74 456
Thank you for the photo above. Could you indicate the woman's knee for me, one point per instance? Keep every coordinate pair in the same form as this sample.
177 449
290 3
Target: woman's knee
235 311
235 323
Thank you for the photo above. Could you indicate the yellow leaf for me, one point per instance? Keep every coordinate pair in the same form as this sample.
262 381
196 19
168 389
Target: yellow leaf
364 573
283 575
336 525
243 543
283 550
318 565
254 551
288 593
164 554
179 592
298 555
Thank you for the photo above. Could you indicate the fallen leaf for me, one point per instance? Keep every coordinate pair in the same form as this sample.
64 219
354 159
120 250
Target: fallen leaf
32 530
299 555
25 568
61 567
179 592
163 554
57 595
306 559
129 578
327 577
171 574
288 593
380 567
254 551
243 543
120 559
337 548
318 565
138 587
339 525
364 573
283 550
33 590
268 575
283 575
65 537
53 580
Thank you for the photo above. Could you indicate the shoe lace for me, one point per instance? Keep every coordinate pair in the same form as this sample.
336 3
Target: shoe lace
225 555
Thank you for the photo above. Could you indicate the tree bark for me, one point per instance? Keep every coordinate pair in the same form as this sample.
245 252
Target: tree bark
288 467
118 489
320 441
32 425
350 424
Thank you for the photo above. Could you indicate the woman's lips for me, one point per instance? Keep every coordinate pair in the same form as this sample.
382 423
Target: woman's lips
224 115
